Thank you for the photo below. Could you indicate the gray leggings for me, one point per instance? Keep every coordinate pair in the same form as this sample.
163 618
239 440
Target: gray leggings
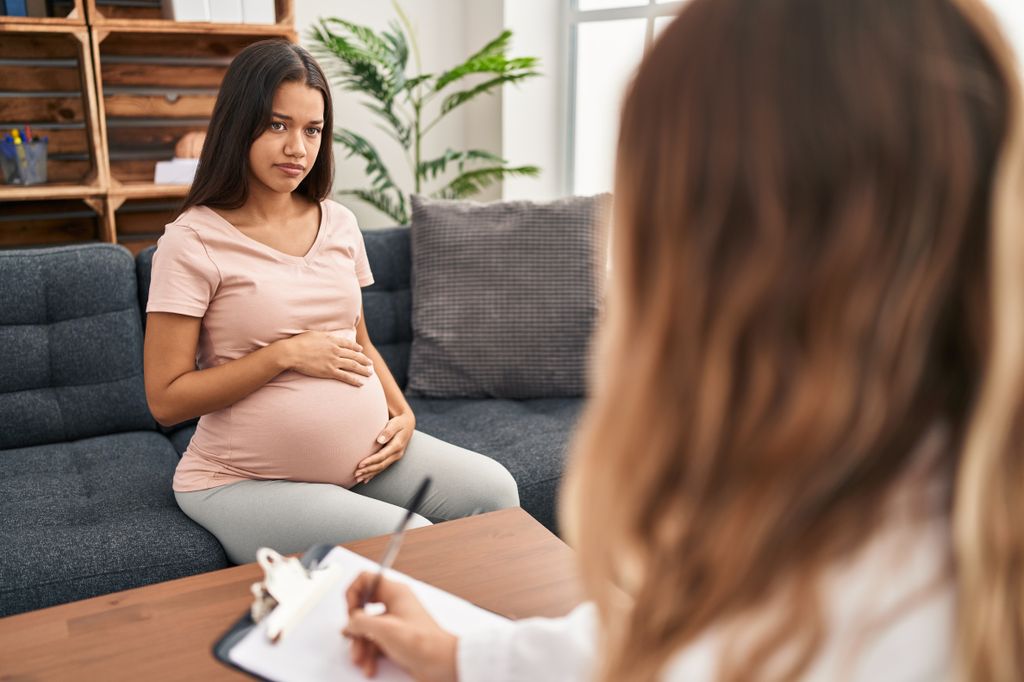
290 516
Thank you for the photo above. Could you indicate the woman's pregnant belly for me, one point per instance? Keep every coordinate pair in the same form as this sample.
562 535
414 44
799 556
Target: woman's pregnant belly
296 427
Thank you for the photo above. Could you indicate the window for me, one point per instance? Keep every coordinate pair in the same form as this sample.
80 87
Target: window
1011 14
607 40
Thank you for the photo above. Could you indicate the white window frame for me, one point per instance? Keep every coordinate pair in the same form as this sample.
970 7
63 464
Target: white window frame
574 17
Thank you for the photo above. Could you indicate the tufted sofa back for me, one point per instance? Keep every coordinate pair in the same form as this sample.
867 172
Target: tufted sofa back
387 304
70 345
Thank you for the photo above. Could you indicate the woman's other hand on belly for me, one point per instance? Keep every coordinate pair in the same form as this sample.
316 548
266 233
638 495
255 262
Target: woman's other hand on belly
327 355
394 438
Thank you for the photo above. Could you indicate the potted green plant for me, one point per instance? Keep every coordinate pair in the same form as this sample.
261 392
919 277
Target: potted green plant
359 59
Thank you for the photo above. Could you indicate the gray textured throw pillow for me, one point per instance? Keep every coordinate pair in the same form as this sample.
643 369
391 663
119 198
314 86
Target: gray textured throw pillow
505 296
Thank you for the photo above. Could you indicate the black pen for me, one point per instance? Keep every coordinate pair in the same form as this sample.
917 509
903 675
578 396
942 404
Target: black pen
396 541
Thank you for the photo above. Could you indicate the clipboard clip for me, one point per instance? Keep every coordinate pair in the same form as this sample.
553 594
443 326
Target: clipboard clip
288 590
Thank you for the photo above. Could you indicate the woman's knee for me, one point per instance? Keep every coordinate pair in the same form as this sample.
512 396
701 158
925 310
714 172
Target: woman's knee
495 487
468 482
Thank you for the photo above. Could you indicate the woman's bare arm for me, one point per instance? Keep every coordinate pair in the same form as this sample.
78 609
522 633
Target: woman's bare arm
176 390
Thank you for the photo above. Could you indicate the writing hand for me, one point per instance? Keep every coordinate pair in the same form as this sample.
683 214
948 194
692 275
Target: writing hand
405 633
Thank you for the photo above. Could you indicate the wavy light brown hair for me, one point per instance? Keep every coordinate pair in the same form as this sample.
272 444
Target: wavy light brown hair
817 256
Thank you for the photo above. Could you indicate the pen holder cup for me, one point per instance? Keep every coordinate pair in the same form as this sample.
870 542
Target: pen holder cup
23 164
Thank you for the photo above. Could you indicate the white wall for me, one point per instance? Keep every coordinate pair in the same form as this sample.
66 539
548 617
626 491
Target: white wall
534 113
483 115
447 31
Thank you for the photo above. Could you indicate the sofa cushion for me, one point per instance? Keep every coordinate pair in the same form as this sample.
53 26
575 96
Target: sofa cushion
387 304
528 436
93 516
505 296
70 345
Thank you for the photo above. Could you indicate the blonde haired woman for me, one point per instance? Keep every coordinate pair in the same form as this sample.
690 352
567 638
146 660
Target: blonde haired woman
803 455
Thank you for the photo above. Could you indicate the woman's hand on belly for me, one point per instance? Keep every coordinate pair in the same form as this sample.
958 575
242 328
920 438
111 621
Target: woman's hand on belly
326 355
394 438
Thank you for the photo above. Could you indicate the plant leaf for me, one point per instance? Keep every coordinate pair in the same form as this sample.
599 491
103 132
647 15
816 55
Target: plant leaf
402 133
477 62
462 96
358 145
352 65
383 202
473 181
428 170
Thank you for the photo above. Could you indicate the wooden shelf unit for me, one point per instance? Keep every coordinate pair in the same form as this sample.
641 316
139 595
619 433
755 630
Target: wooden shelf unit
146 81
46 81
48 222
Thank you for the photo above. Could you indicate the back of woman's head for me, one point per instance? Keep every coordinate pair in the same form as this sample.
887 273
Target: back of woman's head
811 270
242 113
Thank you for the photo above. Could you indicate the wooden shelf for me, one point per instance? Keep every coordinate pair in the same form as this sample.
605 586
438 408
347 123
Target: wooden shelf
48 191
140 220
51 222
147 190
46 81
40 26
168 26
142 18
74 17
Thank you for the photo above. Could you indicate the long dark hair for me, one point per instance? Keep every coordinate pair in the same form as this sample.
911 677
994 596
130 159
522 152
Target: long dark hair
242 113
817 256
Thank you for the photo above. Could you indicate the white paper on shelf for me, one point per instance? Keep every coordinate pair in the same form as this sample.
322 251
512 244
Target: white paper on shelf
175 172
226 11
186 10
316 650
259 12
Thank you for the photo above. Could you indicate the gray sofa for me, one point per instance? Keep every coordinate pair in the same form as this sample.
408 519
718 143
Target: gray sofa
85 500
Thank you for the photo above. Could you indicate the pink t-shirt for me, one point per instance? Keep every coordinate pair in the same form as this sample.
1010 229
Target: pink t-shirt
295 427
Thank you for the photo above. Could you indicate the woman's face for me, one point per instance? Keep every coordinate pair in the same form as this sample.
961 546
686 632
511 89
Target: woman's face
284 154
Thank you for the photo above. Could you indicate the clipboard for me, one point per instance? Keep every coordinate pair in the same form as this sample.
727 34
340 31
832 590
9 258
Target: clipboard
222 647
314 649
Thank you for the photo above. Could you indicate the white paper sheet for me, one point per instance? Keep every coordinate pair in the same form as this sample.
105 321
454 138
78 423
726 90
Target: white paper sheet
316 650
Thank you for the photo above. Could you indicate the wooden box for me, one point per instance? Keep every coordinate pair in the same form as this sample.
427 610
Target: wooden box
46 81
140 222
50 222
149 13
61 13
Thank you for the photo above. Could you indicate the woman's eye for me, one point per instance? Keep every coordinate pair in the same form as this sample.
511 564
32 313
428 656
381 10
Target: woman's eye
312 132
276 125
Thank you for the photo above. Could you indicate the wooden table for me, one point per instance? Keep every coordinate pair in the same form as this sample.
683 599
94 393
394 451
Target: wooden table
503 561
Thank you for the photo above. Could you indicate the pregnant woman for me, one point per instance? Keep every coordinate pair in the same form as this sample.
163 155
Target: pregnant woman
304 435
